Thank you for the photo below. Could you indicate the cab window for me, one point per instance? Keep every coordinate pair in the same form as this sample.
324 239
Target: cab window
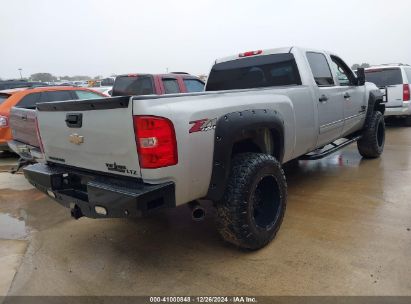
320 69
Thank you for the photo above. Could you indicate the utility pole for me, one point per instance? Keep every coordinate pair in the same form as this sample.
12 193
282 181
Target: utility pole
21 76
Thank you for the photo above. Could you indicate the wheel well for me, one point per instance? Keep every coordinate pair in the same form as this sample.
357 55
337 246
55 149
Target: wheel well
268 141
379 107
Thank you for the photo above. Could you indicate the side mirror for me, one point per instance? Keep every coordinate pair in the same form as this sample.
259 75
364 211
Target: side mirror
360 76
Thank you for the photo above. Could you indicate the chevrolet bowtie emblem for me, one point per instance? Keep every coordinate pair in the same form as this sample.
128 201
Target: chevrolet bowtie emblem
76 139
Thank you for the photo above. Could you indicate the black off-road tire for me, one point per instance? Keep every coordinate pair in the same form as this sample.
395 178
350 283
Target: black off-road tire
254 202
371 144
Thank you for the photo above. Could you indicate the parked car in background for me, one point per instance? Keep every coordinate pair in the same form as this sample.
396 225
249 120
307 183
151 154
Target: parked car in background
17 110
108 82
395 81
147 84
105 90
80 83
12 84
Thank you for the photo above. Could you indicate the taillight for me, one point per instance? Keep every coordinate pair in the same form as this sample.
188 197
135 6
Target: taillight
4 121
406 92
39 137
250 53
156 141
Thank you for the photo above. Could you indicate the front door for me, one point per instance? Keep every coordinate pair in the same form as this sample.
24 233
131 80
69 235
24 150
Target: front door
353 97
328 97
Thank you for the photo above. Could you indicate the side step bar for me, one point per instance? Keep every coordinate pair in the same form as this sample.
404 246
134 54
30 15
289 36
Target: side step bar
335 147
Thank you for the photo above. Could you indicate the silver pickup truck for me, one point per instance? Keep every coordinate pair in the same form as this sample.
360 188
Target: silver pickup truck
130 156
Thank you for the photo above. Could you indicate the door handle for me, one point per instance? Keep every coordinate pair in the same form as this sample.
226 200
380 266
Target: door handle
346 95
323 98
74 120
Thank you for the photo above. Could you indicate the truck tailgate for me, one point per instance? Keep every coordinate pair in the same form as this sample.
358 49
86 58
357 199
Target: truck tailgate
23 126
93 134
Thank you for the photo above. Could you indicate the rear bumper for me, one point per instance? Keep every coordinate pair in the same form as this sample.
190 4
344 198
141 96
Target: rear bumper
83 191
405 110
26 152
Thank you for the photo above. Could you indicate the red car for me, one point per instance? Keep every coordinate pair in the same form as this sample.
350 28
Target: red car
147 84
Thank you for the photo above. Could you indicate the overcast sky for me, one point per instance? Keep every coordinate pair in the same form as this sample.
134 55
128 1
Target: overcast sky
99 37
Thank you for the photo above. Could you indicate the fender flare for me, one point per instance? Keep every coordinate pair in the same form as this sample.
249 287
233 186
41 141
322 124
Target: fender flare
375 103
234 127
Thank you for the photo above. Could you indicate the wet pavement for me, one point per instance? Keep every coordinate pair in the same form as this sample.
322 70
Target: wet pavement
347 231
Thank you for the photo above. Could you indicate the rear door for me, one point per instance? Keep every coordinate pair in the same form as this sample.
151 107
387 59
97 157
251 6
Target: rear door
389 79
329 97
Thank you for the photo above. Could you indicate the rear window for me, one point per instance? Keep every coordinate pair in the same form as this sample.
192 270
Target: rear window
384 77
29 101
3 97
194 85
87 95
171 86
133 85
56 96
254 72
107 82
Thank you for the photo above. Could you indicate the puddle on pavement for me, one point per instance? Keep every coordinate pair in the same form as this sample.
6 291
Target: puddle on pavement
12 228
14 181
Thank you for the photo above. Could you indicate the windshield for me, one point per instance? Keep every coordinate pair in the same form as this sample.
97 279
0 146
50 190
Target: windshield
254 72
384 77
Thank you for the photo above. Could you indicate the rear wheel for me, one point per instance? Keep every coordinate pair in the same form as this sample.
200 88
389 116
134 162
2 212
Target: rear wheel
254 202
371 144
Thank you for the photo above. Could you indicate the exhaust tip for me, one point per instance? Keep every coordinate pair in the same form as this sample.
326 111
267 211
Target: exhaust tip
198 213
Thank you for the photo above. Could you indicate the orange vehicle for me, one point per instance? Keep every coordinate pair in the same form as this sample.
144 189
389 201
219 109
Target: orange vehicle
27 98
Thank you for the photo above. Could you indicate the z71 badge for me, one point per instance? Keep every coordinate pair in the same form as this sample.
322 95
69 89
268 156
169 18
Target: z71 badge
203 125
